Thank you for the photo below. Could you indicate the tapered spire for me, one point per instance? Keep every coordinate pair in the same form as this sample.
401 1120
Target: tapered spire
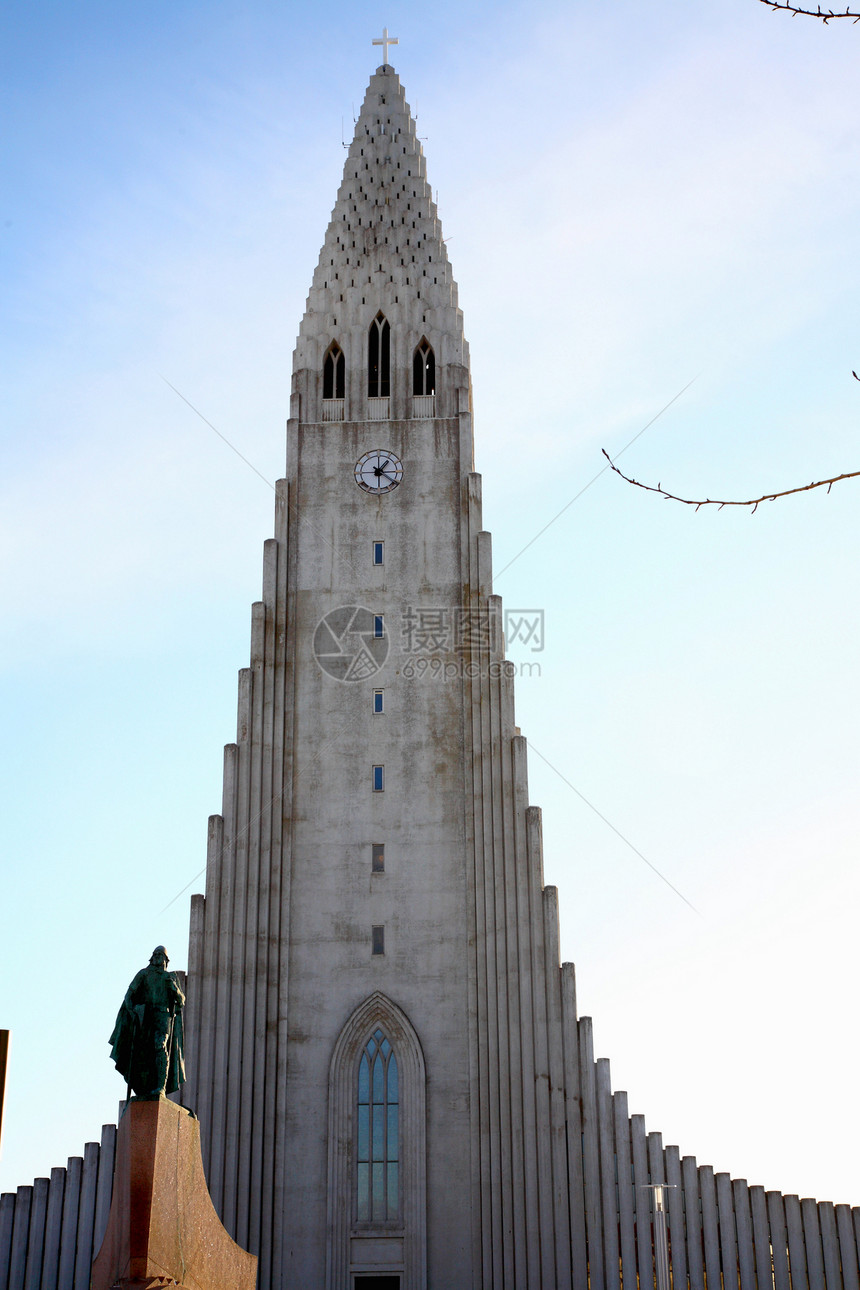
383 250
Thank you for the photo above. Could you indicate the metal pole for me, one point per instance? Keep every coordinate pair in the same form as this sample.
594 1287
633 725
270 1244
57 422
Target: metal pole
661 1243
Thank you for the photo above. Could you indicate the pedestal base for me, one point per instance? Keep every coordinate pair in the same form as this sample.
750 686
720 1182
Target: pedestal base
163 1230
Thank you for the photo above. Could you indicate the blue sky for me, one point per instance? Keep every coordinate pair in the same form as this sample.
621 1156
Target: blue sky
633 197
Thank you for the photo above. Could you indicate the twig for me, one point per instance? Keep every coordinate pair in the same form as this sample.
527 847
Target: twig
824 14
713 501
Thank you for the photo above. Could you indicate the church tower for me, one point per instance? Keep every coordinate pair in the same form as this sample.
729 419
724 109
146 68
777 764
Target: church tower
368 1028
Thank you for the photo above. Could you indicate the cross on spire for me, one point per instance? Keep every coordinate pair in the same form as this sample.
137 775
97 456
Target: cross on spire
385 41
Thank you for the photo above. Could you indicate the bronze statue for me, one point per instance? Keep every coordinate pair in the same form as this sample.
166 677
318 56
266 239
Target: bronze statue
147 1041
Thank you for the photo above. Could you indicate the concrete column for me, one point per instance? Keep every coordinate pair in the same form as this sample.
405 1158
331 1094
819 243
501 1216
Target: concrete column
562 1199
191 1018
626 1199
523 935
505 970
761 1239
693 1217
251 808
847 1248
545 1140
573 1116
224 933
36 1238
279 878
7 1223
778 1240
710 1232
270 804
590 1155
234 1084
657 1174
830 1246
53 1229
796 1250
69 1234
675 1217
476 773
812 1241
743 1221
20 1237
86 1216
728 1238
272 1271
642 1200
606 1138
104 1186
199 1095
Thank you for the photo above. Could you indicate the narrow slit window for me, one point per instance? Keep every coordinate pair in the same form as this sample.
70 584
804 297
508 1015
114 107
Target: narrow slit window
379 358
378 779
378 626
378 702
424 370
377 857
378 940
378 552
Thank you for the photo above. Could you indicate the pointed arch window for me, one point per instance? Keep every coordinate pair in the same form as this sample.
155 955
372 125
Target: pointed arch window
424 369
378 1132
424 380
377 1148
334 378
379 358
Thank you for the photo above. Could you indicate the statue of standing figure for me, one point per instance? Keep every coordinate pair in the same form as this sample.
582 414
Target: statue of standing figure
147 1040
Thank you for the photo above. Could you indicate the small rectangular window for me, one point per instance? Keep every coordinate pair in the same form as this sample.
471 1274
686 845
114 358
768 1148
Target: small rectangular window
378 779
378 701
377 552
378 626
378 940
377 857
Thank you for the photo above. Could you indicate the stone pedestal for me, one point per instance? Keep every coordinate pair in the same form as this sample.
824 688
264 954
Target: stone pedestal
163 1229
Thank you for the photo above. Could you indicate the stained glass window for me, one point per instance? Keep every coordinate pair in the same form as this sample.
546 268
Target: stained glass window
378 1132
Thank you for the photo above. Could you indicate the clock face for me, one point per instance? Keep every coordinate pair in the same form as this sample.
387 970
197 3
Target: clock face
378 471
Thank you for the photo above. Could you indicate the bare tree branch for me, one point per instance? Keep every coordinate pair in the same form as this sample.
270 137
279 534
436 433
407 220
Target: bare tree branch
754 502
824 14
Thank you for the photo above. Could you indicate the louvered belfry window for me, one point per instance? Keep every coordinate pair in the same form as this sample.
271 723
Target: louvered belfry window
379 358
424 370
333 372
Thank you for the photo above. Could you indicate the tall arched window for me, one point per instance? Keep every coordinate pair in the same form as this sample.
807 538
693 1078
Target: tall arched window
424 369
333 372
377 1149
379 358
377 1133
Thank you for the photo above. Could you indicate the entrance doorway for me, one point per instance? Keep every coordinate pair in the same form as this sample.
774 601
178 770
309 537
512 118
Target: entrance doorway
374 1281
